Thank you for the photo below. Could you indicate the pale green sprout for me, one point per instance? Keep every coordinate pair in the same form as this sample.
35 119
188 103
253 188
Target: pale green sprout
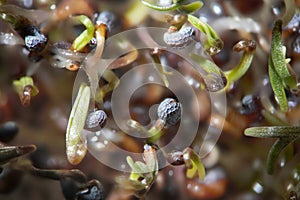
75 147
280 76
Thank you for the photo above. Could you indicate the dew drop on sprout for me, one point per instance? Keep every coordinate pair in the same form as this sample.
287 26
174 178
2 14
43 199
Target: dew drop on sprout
95 119
169 111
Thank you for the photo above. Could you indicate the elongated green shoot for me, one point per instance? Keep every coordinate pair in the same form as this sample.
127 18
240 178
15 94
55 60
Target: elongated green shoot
285 134
142 174
177 4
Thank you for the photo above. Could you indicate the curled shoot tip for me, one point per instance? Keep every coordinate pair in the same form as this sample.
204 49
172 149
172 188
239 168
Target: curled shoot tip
280 76
193 164
84 38
285 135
213 43
26 89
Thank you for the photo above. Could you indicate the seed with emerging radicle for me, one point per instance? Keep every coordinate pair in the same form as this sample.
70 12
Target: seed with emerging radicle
169 111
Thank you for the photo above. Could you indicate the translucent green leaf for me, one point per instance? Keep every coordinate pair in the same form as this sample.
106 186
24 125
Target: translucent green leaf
24 81
84 38
192 7
278 57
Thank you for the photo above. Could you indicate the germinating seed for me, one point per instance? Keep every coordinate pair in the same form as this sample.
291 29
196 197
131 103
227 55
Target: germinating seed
179 39
169 111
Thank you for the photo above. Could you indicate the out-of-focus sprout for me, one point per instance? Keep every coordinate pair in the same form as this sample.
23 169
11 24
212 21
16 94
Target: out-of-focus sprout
279 71
85 37
213 43
193 164
25 89
142 175
8 18
112 82
216 80
75 148
285 135
73 183
8 153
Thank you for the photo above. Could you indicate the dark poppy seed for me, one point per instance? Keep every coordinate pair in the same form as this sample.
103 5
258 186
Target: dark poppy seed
169 111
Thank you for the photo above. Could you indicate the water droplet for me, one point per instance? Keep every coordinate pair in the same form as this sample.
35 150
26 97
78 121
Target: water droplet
215 82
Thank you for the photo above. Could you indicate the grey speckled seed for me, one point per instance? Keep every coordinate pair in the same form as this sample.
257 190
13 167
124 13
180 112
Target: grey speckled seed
169 111
95 119
181 38
296 45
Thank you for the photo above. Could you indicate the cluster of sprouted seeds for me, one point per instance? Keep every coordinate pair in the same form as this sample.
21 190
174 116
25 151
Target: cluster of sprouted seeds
52 148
